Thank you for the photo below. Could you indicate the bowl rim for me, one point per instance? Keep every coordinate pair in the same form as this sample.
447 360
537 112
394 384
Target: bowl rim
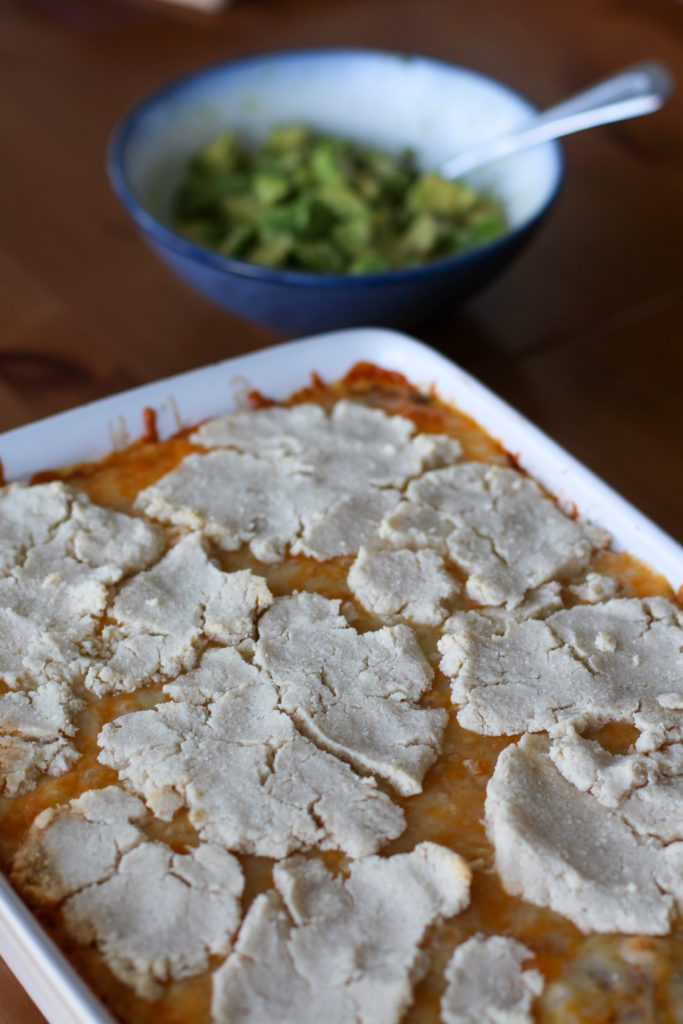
160 234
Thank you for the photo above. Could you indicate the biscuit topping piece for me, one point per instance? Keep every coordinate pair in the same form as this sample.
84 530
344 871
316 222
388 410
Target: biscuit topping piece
154 915
403 584
36 727
618 660
353 693
296 478
595 587
165 616
561 848
486 983
323 948
59 554
497 525
645 788
222 747
240 744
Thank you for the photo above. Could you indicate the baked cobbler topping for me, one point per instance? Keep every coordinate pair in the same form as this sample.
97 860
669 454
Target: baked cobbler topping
326 710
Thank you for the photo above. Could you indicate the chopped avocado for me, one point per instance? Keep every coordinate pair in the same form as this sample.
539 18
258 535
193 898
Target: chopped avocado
270 188
353 237
330 163
422 236
223 154
271 250
323 256
432 194
343 201
306 218
241 208
319 203
237 239
369 263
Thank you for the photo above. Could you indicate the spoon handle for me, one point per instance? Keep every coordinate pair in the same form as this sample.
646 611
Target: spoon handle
636 90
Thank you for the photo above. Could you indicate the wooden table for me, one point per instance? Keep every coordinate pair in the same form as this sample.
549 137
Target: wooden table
584 334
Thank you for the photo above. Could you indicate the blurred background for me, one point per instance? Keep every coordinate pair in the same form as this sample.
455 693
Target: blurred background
583 333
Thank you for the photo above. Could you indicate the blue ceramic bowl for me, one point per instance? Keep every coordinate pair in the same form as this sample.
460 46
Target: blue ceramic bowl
389 100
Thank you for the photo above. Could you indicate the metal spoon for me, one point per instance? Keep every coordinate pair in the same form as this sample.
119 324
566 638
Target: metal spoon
636 90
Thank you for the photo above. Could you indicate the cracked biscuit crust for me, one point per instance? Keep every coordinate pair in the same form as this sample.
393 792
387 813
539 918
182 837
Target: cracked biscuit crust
276 718
645 788
296 478
494 523
126 894
403 584
618 660
222 747
559 847
353 694
60 554
268 756
163 618
338 949
59 557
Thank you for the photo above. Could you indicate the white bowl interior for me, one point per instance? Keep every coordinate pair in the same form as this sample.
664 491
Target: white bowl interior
386 100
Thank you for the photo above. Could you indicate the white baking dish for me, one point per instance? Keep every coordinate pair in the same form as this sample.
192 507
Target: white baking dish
91 431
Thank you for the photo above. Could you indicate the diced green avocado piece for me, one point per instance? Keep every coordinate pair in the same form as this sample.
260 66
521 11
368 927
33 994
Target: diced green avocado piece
290 163
330 162
485 225
488 222
286 218
422 236
222 154
237 240
204 195
321 256
433 194
391 176
353 236
368 186
270 251
319 217
242 207
369 263
270 188
305 218
342 200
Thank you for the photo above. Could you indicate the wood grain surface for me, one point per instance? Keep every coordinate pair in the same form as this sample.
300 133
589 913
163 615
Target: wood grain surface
584 334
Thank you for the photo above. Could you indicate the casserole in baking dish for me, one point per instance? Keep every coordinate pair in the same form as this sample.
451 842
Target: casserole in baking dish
329 709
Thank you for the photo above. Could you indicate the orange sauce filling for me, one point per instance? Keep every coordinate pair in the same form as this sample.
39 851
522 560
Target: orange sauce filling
450 809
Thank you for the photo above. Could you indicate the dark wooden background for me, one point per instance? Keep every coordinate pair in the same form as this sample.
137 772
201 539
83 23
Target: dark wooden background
584 334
